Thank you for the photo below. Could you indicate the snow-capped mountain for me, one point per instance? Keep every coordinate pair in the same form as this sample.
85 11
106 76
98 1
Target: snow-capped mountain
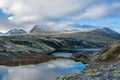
60 29
14 32
106 32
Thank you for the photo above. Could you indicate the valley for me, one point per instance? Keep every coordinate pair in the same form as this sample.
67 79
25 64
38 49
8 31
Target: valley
86 47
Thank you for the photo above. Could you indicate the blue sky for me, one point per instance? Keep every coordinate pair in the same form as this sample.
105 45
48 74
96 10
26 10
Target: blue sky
1 13
27 13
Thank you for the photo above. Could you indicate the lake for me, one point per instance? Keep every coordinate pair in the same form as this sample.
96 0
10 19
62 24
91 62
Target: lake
43 71
70 52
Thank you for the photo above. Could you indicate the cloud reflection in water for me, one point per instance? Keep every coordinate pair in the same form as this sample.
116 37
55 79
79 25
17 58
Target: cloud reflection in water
44 71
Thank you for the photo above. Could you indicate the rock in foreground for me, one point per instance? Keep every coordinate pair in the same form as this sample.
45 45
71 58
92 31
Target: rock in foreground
105 65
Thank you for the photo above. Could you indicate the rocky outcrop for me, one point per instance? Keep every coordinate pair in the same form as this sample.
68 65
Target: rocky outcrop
105 65
84 57
110 53
24 44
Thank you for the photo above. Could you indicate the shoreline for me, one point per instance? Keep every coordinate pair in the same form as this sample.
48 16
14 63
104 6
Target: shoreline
33 59
25 59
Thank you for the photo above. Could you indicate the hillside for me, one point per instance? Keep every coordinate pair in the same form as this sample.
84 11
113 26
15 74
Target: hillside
50 29
104 65
94 38
23 49
16 48
26 49
86 39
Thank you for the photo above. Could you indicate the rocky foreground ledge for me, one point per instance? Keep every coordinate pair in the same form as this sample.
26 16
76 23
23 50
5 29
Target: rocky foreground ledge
104 65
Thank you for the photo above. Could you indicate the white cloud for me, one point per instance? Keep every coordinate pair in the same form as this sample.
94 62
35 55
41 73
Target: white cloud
10 18
102 10
31 12
25 10
95 12
68 27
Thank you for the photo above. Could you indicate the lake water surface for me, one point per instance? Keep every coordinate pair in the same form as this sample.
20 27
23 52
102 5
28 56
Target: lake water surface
43 71
70 52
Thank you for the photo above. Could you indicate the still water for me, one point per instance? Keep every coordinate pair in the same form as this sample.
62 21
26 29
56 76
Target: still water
70 52
43 71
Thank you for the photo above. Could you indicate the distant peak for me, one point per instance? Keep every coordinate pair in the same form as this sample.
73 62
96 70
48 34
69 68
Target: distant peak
16 31
103 29
106 28
106 32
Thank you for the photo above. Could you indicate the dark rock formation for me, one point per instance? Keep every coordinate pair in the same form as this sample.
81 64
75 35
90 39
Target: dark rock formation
83 58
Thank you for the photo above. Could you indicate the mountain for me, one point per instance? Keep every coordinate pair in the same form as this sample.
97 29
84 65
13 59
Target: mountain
82 39
16 32
23 49
96 37
41 29
106 32
1 33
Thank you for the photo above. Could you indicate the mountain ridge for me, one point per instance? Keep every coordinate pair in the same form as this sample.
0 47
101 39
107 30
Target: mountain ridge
14 32
60 29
